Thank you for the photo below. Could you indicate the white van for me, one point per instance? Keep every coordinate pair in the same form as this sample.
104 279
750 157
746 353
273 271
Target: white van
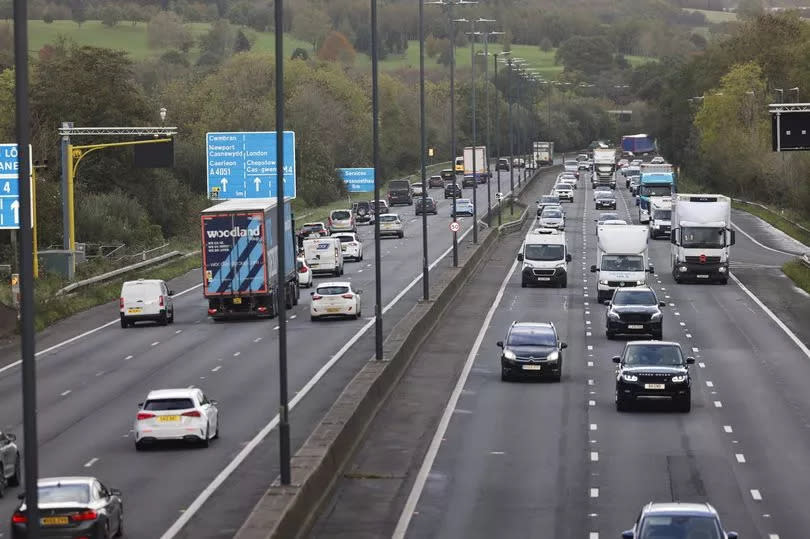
146 299
622 258
545 258
324 255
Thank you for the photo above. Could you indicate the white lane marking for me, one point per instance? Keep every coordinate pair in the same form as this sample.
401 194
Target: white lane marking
179 331
497 453
293 317
90 462
83 335
695 349
128 358
590 363
593 535
740 458
728 428
257 339
587 333
702 365
587 312
590 381
750 237
226 472
709 383
591 403
215 369
688 335
65 393
593 426
756 494
594 456
590 347
275 327
682 323
773 317
441 429
586 303
594 493
677 313
718 404
671 304
155 343
99 373
588 322
773 536
237 354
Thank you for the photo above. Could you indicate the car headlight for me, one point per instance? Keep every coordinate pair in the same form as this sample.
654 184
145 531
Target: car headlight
680 378
508 354
682 269
639 283
554 356
561 265
613 315
603 282
630 377
722 269
657 316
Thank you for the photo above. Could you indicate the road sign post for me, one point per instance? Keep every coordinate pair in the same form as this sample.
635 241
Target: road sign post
455 226
10 186
243 165
357 180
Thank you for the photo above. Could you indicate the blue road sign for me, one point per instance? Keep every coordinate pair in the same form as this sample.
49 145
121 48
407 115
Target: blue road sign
358 180
10 187
243 165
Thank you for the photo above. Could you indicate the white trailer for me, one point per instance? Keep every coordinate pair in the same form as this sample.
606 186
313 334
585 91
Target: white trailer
622 258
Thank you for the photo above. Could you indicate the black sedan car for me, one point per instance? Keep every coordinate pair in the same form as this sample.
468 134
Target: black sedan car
653 371
605 200
448 175
452 190
531 349
634 311
676 519
73 508
429 206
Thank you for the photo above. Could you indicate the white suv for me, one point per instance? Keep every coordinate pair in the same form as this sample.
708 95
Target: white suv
563 191
146 299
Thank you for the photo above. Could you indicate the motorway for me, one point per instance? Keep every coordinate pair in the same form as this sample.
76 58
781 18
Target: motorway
456 452
92 374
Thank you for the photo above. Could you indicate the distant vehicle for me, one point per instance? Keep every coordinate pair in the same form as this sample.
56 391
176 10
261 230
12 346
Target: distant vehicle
604 200
304 273
341 221
582 157
604 167
452 190
308 229
564 192
657 180
606 218
146 299
677 519
584 164
543 153
468 181
658 160
634 311
611 222
653 370
531 349
547 200
601 189
380 207
503 164
571 165
622 258
235 284
351 245
399 192
640 144
459 165
73 507
324 255
391 225
629 172
552 218
183 414
545 257
660 217
701 237
518 162
335 299
622 163
416 189
9 462
448 175
429 206
464 206
635 181
568 179
435 181
362 212
636 163
476 164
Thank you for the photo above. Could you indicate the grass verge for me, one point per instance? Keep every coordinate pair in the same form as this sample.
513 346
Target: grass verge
776 220
798 273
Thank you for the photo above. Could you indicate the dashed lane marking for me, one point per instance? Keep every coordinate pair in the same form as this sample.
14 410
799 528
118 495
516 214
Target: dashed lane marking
740 458
594 493
215 369
155 343
718 404
594 426
128 358
728 429
709 383
594 456
90 462
756 495
65 393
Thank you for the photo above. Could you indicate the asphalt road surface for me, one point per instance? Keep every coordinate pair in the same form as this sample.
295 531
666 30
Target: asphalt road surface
92 374
456 452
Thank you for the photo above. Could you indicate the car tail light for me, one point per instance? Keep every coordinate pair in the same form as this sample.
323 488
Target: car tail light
83 516
121 303
316 296
347 296
303 269
161 301
192 413
329 221
145 415
261 309
212 311
19 518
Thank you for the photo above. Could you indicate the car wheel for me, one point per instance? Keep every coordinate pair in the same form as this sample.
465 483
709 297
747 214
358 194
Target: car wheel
685 404
216 432
139 446
16 479
401 235
124 323
341 270
205 442
120 531
610 335
164 320
622 405
724 281
505 376
564 282
336 273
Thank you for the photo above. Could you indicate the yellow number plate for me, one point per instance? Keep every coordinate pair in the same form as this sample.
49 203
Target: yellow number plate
133 310
54 521
237 301
169 418
332 310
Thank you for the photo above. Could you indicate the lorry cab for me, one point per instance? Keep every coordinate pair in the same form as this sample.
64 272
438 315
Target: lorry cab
656 181
545 258
324 255
622 258
660 217
701 238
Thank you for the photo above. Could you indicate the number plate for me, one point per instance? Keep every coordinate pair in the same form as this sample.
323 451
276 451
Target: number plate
237 301
654 386
635 326
168 418
702 276
544 278
54 521
332 310
532 367
134 310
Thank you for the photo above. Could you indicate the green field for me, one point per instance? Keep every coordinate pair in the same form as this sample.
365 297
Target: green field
715 16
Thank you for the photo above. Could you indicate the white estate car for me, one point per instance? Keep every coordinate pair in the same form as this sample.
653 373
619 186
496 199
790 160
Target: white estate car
351 245
184 414
391 225
146 299
335 299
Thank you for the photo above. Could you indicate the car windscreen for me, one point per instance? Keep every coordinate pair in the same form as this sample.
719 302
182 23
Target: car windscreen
622 263
553 214
168 404
64 494
344 239
332 290
663 355
388 218
463 201
662 214
702 237
665 526
341 215
531 337
141 290
656 190
542 252
608 217
604 194
634 297
312 228
549 199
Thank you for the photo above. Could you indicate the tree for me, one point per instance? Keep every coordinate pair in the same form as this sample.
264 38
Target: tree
6 9
219 40
166 30
337 48
78 12
241 44
748 9
588 55
546 45
111 15
47 18
311 24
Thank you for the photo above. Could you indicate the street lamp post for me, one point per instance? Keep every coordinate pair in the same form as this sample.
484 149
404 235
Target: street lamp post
486 35
498 134
781 94
423 156
796 89
375 136
511 138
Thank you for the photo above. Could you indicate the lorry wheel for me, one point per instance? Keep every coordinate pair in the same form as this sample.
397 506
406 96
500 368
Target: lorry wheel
288 298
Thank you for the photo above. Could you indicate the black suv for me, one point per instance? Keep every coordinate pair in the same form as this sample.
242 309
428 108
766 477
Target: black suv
452 190
468 181
448 175
531 349
430 206
634 311
362 211
653 370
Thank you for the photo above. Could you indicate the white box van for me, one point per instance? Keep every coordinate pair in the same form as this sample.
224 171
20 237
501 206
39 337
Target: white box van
622 258
146 299
545 258
324 255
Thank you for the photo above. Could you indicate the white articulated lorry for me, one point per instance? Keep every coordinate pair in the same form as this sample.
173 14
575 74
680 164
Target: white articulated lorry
622 258
701 237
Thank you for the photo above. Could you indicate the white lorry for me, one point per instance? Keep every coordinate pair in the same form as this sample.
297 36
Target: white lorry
475 163
622 258
660 222
543 153
545 257
604 167
701 237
